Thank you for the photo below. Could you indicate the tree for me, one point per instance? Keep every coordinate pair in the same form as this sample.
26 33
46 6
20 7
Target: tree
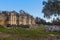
56 21
51 7
39 21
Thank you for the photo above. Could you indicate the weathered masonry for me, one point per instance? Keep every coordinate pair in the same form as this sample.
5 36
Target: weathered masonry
12 19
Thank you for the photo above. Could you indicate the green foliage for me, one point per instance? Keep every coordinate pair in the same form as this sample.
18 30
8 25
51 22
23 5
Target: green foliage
6 39
51 7
23 32
2 29
40 28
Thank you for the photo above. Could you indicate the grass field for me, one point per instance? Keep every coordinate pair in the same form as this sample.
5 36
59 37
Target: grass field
23 33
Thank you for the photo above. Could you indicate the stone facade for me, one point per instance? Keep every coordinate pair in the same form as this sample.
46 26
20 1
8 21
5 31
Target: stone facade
26 19
13 18
2 19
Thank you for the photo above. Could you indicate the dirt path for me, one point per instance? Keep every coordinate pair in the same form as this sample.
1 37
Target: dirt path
3 35
17 37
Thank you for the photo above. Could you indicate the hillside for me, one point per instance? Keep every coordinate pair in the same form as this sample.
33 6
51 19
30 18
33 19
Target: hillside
16 33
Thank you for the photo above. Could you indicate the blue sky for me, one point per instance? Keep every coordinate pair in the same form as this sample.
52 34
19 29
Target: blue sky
33 7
